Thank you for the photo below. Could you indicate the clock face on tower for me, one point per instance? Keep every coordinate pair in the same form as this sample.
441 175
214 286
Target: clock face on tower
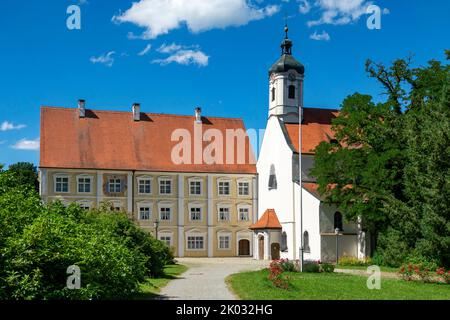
292 77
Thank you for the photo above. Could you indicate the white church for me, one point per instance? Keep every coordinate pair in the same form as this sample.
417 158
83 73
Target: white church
289 216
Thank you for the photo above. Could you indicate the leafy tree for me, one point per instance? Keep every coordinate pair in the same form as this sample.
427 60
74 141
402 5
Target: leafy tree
389 163
26 174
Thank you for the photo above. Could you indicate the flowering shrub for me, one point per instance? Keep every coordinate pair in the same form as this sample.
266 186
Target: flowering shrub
418 272
289 265
445 276
276 275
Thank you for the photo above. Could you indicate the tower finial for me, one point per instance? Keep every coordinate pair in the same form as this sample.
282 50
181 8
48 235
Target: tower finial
286 45
286 28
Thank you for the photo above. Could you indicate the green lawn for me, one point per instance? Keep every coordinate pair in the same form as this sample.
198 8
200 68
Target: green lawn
332 286
152 286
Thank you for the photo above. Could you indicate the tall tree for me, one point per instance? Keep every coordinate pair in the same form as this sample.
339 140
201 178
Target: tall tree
26 174
370 171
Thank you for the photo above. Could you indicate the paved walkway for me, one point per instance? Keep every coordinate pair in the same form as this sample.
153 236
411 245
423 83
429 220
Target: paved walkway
205 278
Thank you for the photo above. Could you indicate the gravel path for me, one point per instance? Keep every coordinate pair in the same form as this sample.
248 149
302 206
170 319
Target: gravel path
205 278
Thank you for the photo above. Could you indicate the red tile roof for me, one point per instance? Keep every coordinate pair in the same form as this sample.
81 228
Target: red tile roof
312 188
269 220
316 128
112 140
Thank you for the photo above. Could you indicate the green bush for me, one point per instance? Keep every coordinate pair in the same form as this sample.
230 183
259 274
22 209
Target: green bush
353 261
327 268
311 267
288 265
39 242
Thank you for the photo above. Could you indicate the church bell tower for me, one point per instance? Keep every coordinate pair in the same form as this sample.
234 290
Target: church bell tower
286 84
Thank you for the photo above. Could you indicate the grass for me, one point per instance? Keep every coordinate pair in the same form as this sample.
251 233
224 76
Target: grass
152 286
332 286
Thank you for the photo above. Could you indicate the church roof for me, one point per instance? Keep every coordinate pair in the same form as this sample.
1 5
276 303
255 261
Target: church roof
111 140
285 63
269 220
316 127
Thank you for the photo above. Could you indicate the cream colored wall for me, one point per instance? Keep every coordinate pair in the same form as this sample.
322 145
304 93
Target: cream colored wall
169 227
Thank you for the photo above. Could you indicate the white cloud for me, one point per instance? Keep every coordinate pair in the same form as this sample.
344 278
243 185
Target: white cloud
386 11
106 59
304 6
159 17
323 36
169 48
185 57
339 12
145 51
25 144
6 126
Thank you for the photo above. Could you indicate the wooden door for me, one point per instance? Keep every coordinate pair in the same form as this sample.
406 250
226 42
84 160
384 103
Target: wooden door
244 247
261 247
275 251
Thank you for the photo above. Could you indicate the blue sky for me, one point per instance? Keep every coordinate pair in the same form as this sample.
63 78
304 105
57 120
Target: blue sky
174 55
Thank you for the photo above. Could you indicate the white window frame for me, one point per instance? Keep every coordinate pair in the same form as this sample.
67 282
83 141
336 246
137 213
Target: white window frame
91 183
223 180
248 182
224 234
199 180
223 206
85 204
196 235
144 179
61 175
141 205
243 206
115 184
161 179
166 234
195 205
165 205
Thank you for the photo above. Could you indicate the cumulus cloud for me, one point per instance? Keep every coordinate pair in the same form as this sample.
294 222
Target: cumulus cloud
304 6
159 17
185 57
323 36
24 144
339 12
146 50
106 59
7 126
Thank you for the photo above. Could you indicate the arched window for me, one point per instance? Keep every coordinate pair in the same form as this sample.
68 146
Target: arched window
338 221
273 93
306 242
284 246
291 92
272 178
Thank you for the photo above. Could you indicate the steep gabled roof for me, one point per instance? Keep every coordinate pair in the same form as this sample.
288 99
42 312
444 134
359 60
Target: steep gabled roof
316 127
269 220
112 140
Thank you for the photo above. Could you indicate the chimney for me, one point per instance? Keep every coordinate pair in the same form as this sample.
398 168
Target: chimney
82 108
198 115
136 111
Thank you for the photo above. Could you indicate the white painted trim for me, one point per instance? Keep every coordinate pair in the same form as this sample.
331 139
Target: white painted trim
130 187
99 187
224 233
244 235
180 241
244 180
196 179
196 205
180 200
223 205
85 176
144 178
193 233
61 175
243 206
165 178
165 204
221 180
144 204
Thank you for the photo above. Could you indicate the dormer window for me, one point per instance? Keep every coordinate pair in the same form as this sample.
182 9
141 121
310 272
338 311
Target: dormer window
291 92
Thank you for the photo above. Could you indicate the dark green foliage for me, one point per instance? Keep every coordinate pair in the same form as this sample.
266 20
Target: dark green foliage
311 267
26 174
38 243
327 267
391 162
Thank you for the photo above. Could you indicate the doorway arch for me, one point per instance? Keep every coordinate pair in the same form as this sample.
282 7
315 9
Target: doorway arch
244 247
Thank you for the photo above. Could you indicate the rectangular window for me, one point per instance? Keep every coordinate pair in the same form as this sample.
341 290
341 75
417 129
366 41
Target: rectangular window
224 214
145 186
84 206
224 188
167 240
165 187
195 243
196 214
224 242
114 185
62 184
244 188
84 184
144 213
195 187
165 213
244 214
